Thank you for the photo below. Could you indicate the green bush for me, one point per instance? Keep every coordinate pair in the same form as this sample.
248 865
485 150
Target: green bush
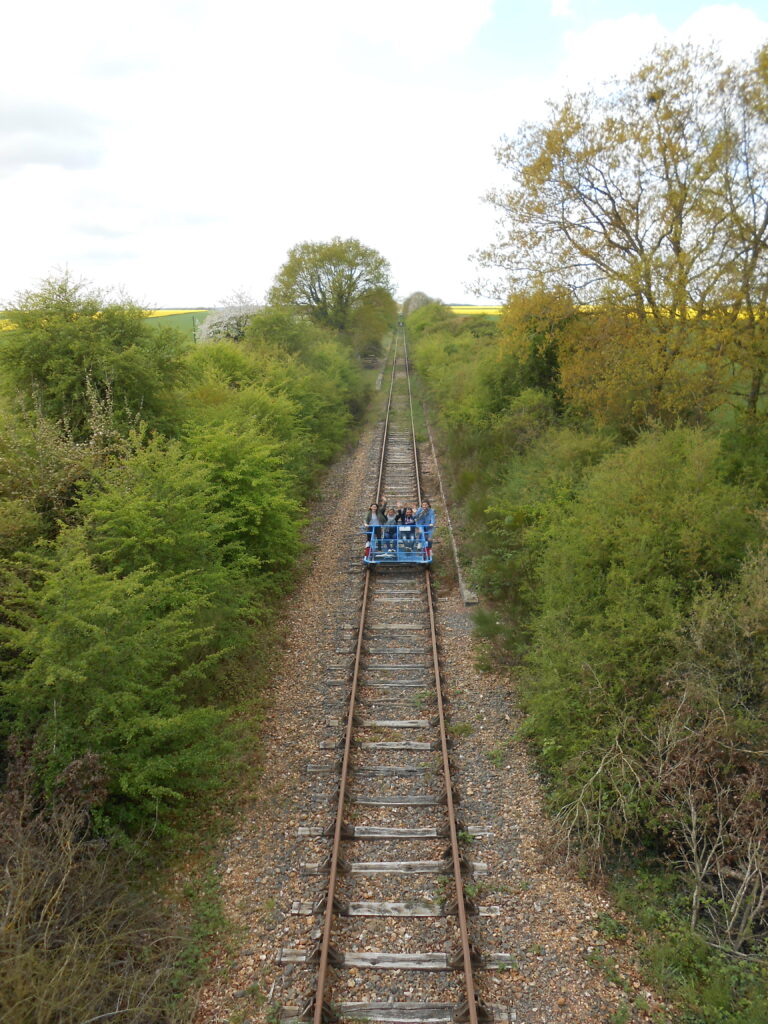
616 579
108 658
40 466
522 509
252 491
71 346
168 553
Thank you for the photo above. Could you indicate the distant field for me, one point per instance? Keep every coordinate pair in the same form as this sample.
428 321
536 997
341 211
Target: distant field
469 310
185 320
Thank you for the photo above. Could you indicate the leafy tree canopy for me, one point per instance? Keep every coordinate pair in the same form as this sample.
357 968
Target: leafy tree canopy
375 314
72 349
330 280
416 301
652 198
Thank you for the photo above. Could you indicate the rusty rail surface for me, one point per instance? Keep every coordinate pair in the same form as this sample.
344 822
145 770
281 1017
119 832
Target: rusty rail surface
468 1009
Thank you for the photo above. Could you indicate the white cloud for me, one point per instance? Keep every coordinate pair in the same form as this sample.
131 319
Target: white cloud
37 133
735 30
614 47
423 30
561 8
607 48
182 146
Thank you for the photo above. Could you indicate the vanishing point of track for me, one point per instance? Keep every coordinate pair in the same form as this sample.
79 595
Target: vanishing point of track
396 669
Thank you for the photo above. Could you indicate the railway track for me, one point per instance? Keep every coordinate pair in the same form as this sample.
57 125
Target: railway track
395 880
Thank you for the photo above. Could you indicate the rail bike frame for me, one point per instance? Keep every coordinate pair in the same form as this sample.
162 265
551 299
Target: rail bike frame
397 545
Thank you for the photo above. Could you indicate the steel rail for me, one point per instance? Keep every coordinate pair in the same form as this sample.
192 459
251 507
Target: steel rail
333 874
413 425
321 1009
325 942
458 879
386 423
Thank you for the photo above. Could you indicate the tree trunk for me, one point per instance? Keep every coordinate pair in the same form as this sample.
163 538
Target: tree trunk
755 389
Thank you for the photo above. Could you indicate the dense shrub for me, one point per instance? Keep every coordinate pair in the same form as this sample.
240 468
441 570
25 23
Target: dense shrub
616 578
623 557
164 556
108 658
151 499
80 940
521 511
70 344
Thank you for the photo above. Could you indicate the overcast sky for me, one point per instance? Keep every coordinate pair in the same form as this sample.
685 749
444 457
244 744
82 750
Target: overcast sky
178 148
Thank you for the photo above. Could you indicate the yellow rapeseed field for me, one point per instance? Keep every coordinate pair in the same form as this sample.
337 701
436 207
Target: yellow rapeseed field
476 310
174 312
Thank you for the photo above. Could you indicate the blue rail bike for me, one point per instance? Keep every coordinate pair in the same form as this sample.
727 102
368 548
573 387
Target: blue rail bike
394 544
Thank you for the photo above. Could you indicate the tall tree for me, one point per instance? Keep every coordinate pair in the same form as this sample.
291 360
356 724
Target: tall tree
329 280
652 199
415 301
741 201
606 195
372 317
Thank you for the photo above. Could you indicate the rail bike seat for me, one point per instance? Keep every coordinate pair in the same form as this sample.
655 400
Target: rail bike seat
397 544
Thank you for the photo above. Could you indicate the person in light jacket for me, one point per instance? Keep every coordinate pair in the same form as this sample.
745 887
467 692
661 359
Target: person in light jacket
425 518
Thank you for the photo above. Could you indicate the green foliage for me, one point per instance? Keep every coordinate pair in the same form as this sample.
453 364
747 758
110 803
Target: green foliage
523 509
375 314
283 331
744 454
617 575
293 378
108 658
163 556
251 491
208 926
707 985
141 576
621 199
415 301
431 317
627 571
330 280
70 344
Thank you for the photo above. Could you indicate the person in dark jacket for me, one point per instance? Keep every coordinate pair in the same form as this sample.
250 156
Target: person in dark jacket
407 531
390 528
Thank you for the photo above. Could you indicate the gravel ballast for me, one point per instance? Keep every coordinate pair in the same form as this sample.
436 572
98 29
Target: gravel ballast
565 968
